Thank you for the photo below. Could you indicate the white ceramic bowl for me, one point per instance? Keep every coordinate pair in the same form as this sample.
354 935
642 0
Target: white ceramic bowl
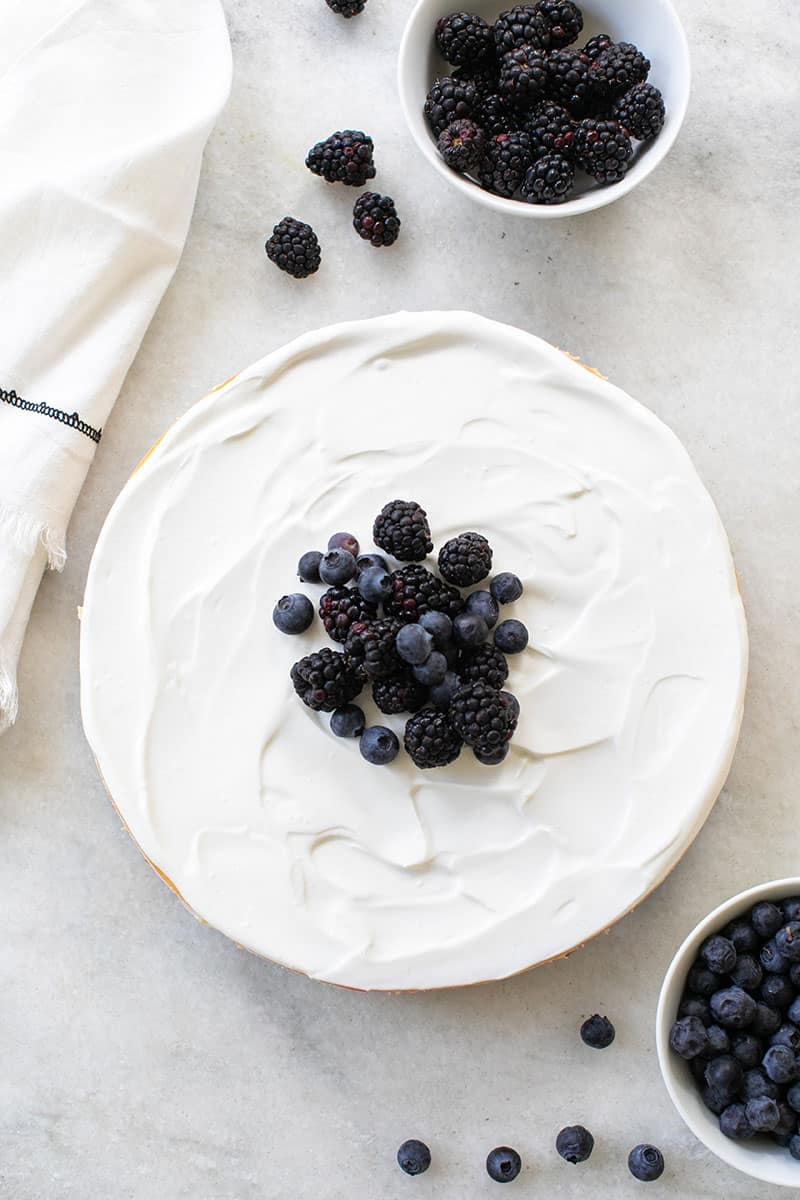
653 25
760 1159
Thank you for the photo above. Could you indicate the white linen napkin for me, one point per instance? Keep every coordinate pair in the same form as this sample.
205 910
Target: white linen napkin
105 108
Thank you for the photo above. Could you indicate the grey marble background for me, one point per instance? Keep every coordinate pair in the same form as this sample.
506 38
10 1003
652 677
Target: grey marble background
143 1056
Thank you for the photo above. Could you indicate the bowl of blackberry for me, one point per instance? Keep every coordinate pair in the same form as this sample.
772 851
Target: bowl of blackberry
728 1032
548 109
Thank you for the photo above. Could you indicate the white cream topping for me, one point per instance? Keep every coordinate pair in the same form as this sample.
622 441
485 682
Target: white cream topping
281 835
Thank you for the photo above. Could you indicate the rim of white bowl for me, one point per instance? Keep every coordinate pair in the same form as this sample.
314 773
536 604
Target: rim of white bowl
590 201
768 1167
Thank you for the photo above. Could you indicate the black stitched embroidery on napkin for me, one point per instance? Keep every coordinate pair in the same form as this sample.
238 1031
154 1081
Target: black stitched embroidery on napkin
56 414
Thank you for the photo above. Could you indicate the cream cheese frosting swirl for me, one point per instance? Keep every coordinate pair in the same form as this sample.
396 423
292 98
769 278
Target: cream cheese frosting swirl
631 689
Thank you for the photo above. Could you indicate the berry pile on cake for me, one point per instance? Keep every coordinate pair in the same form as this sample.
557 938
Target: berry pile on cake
524 109
738 1025
423 646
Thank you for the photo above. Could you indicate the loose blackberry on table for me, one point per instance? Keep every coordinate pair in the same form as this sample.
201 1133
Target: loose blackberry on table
347 8
342 607
375 219
294 248
344 157
402 530
464 37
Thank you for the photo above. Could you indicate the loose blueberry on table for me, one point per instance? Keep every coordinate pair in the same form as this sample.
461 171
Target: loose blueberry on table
414 1157
424 647
737 1025
503 1164
524 109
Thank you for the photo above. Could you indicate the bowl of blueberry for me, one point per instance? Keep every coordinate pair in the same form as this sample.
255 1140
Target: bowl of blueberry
728 1032
547 109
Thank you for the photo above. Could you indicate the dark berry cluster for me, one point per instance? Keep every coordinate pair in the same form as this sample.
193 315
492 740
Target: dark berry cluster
422 645
738 1024
525 109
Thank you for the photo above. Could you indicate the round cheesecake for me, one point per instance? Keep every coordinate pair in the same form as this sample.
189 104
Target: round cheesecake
631 688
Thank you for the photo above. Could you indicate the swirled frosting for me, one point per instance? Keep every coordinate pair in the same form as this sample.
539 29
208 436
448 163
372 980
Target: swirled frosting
631 690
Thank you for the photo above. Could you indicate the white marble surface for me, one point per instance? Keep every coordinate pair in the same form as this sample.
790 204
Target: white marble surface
145 1056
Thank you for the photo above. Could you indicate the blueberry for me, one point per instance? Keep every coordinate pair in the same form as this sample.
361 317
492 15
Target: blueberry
725 1075
337 567
793 1097
748 1050
575 1144
733 1008
688 1037
695 1006
439 626
598 1032
744 937
483 604
734 1123
414 644
293 614
702 981
506 588
493 757
719 954
780 1064
787 939
777 990
762 1114
374 585
718 1041
379 745
511 637
414 1157
786 1035
470 630
512 702
772 960
746 973
767 1020
308 567
646 1163
344 541
794 976
766 919
791 909
503 1164
697 1070
442 693
348 722
713 1100
368 562
794 1146
432 671
787 1125
755 1085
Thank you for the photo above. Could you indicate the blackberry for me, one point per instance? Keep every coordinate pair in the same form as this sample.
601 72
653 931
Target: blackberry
375 219
482 717
483 76
564 21
370 645
326 680
340 608
401 528
416 591
431 740
449 100
641 111
344 157
596 45
603 149
463 37
347 8
522 25
549 181
551 130
618 68
294 248
465 559
568 79
486 665
462 145
523 77
494 116
507 158
399 694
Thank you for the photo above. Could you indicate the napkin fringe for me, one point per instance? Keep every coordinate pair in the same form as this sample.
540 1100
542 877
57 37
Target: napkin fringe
24 532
